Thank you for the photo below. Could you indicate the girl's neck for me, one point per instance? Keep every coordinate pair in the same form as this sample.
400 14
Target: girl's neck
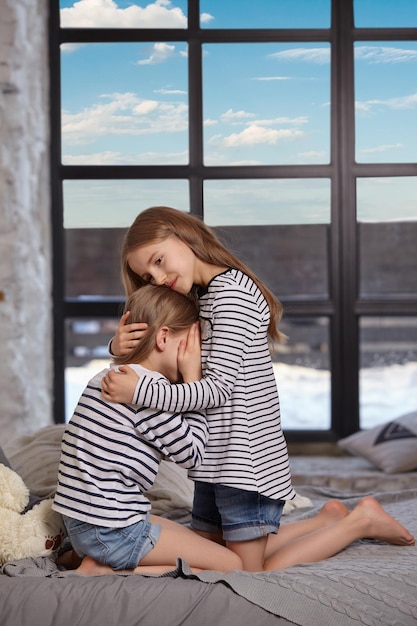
206 272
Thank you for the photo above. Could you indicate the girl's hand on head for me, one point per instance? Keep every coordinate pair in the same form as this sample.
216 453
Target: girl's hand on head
189 355
127 336
119 386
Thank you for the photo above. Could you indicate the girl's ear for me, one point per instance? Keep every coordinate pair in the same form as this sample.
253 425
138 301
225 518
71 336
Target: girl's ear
161 338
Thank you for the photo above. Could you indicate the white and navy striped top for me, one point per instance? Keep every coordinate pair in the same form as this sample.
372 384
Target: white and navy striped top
246 447
110 454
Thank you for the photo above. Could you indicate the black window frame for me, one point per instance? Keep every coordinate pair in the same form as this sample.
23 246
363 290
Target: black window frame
344 307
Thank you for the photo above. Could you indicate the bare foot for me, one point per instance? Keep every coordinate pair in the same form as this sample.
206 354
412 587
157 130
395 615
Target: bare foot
69 560
381 525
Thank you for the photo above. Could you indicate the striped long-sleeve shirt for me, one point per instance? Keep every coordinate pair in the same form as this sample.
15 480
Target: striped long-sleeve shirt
111 452
246 447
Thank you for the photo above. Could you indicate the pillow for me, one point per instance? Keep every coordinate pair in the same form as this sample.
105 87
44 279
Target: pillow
3 458
392 446
35 457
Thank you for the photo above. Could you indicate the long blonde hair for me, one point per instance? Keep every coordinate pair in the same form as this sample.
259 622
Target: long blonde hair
158 223
158 307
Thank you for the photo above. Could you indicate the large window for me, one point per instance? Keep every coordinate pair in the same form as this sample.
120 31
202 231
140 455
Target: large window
290 128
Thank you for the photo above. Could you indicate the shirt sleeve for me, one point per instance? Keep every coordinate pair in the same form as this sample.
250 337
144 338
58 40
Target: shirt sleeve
237 317
180 437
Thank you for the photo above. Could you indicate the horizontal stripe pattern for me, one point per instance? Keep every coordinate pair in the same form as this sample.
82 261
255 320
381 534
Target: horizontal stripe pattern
246 447
110 455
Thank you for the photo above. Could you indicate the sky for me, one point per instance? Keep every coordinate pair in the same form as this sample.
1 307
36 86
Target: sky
125 103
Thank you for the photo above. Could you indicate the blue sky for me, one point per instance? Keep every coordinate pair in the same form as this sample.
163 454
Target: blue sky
262 104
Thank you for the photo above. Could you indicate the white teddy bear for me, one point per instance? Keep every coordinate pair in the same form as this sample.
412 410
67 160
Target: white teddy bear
37 532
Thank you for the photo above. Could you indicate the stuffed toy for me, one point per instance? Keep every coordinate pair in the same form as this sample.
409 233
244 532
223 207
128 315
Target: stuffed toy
38 531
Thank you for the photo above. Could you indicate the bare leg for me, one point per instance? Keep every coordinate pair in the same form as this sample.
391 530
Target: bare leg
368 519
174 541
251 553
91 567
255 552
331 512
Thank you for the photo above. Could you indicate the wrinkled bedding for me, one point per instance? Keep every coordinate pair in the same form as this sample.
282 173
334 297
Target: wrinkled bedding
369 582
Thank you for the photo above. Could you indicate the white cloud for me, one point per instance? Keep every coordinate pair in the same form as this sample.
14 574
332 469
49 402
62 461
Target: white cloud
372 54
266 78
255 134
145 107
106 13
160 53
309 55
382 148
124 114
292 121
205 18
384 54
403 102
171 92
312 155
119 158
99 158
240 117
210 122
231 117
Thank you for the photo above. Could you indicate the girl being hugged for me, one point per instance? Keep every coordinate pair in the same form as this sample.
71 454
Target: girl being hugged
244 480
110 454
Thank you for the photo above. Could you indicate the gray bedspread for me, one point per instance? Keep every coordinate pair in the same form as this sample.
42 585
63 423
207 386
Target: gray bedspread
368 583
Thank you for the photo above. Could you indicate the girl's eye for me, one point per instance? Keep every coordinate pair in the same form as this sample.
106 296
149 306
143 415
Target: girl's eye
158 260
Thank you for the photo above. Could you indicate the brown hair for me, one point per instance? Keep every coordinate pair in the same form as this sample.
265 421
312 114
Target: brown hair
157 306
158 223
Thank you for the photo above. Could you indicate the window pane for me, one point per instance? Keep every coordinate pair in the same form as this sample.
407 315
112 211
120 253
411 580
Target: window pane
265 14
116 203
378 199
278 227
387 236
388 368
123 14
389 14
267 201
291 260
386 102
302 370
266 103
124 104
87 354
92 262
96 216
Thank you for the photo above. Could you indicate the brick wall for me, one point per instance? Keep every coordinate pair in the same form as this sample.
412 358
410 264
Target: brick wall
25 260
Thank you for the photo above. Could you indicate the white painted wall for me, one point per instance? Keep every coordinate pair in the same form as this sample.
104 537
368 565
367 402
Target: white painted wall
25 250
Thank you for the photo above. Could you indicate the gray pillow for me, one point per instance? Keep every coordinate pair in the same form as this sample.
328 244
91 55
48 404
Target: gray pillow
3 458
391 446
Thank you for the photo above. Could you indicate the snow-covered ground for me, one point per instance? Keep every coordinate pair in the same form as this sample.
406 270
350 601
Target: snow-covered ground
385 393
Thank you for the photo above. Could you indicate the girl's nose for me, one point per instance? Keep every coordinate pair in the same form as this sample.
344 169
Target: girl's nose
159 278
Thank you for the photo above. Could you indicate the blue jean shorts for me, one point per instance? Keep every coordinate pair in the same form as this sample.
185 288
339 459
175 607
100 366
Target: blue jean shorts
120 548
239 515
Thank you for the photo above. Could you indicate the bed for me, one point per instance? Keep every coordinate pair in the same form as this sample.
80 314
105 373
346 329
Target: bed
368 583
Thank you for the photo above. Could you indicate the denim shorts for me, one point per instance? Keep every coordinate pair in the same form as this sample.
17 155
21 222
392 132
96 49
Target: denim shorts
120 548
239 515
